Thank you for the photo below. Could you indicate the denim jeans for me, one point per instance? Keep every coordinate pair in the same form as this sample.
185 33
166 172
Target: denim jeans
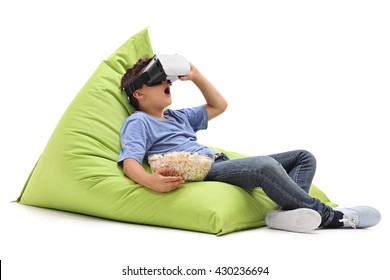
285 178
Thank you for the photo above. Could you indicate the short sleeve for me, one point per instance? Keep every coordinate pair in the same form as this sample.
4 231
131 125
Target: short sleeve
134 140
197 117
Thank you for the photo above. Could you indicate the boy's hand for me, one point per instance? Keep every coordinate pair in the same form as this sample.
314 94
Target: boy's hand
162 181
191 75
216 103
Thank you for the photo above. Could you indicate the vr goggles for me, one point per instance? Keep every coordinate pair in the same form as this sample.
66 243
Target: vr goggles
160 68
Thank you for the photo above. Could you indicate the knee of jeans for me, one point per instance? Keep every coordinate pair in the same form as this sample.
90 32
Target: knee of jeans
268 165
308 157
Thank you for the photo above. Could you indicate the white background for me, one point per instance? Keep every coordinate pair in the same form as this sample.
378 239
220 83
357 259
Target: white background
296 74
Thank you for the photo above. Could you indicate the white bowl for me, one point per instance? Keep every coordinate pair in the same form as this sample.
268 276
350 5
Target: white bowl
190 166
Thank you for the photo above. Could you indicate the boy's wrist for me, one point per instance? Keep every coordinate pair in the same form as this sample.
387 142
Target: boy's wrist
197 77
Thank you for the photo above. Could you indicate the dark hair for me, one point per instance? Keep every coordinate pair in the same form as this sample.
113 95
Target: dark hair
132 74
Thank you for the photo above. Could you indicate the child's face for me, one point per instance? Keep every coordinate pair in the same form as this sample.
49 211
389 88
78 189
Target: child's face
157 96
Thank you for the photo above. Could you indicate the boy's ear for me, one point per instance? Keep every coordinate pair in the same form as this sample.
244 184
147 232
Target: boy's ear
138 94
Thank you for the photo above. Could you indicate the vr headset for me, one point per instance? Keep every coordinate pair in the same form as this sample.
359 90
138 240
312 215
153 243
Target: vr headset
160 68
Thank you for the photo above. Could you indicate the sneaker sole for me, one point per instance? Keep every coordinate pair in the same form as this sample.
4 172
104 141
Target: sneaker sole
298 220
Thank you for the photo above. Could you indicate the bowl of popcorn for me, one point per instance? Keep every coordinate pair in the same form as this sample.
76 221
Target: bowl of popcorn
190 166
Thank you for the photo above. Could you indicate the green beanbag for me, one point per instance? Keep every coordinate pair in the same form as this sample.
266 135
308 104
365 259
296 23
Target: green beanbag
78 172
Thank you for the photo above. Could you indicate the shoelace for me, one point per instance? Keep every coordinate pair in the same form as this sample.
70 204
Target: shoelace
350 220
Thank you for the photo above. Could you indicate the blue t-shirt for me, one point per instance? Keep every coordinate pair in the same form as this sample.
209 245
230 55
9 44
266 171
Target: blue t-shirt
143 135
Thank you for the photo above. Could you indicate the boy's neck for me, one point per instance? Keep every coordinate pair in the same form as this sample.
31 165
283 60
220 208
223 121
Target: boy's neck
159 114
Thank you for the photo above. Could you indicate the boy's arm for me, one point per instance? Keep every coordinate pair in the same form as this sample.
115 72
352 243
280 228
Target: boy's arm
216 103
158 181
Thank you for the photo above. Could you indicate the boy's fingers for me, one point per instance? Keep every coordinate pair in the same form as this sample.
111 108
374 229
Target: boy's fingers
164 170
173 185
171 179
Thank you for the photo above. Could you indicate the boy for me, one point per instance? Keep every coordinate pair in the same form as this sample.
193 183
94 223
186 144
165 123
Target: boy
284 177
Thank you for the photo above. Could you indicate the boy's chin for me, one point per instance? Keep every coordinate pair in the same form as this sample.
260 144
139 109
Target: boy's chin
166 104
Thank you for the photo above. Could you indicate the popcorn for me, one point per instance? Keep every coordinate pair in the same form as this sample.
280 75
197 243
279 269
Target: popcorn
190 166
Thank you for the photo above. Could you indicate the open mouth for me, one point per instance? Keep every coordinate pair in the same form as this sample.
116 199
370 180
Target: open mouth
167 90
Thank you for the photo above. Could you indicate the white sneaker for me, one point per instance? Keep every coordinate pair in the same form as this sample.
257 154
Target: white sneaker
360 216
298 220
